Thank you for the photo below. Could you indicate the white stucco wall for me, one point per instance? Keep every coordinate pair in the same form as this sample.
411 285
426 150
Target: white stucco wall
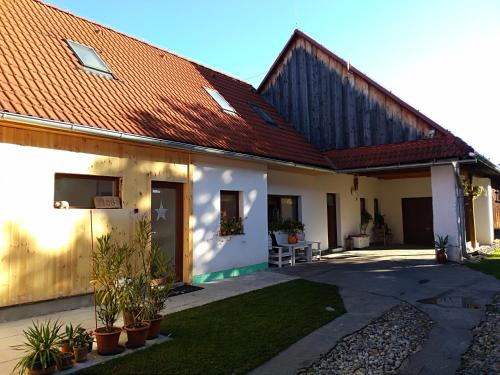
212 252
444 207
312 190
392 192
483 212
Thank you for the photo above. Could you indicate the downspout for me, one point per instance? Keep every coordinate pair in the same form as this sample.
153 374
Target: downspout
459 193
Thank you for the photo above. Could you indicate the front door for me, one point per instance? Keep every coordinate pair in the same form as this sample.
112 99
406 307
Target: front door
166 221
331 210
417 221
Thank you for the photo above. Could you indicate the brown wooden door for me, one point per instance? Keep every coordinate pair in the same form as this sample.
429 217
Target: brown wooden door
417 221
331 209
166 221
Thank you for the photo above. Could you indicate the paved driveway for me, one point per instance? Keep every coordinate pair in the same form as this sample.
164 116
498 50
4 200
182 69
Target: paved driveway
373 281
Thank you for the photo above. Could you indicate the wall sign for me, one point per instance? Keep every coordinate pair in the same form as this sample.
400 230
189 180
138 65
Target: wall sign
107 202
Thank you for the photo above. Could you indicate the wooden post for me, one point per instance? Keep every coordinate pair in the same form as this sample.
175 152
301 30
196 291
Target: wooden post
470 225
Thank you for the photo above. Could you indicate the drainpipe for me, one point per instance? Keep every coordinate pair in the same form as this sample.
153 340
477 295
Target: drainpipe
105 133
459 194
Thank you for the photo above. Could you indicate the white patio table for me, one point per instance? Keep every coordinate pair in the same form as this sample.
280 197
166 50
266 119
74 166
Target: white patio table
293 247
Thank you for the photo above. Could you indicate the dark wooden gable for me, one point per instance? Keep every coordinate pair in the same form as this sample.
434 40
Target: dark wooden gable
333 105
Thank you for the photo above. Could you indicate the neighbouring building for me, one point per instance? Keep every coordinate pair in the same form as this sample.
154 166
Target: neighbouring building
98 128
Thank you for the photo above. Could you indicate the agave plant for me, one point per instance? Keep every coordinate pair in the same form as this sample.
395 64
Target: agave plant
40 348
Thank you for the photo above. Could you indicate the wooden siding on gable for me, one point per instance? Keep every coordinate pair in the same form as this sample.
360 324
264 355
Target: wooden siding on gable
333 108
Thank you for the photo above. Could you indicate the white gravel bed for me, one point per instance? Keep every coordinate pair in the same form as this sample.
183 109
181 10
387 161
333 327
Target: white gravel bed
483 356
381 347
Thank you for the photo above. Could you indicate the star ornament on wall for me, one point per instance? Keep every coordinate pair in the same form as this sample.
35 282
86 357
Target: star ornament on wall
161 212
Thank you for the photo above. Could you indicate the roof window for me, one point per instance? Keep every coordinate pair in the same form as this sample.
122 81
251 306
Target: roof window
89 58
223 103
263 115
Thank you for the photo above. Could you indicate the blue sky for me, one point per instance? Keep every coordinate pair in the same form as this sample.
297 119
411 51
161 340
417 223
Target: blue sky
441 56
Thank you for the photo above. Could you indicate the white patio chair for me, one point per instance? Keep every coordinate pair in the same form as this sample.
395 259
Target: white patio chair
278 255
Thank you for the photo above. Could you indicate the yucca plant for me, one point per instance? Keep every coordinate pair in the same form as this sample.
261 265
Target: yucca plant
40 348
441 243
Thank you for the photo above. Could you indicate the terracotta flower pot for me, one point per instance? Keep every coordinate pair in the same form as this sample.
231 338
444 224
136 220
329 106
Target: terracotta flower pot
66 361
107 342
136 334
154 327
441 256
80 354
65 348
292 239
47 371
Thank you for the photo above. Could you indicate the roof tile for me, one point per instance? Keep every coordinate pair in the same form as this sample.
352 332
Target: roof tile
156 93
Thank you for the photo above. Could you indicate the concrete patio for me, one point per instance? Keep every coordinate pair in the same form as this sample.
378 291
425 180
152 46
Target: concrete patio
11 332
371 282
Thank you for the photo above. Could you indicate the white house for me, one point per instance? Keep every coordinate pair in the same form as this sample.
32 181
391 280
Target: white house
88 112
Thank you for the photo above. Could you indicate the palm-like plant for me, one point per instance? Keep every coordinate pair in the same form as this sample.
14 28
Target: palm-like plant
40 348
441 243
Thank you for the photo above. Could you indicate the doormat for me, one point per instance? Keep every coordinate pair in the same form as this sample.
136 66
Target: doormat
184 289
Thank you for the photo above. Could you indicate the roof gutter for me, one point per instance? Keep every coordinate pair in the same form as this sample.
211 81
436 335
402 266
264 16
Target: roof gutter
406 166
111 134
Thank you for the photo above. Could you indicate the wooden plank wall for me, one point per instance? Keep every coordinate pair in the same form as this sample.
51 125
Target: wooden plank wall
45 252
333 108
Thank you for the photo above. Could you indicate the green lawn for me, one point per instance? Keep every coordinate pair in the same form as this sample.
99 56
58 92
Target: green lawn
234 335
490 264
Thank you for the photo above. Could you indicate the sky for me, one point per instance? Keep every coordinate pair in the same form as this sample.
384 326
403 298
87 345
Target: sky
440 56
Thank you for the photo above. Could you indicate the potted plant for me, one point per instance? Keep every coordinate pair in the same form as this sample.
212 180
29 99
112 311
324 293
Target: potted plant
137 329
366 218
230 225
108 261
66 361
80 344
157 293
441 245
67 338
41 349
155 281
292 227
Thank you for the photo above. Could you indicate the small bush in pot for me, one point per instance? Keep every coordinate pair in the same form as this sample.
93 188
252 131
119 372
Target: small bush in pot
41 349
137 329
108 261
159 277
80 344
441 245
67 338
157 293
292 228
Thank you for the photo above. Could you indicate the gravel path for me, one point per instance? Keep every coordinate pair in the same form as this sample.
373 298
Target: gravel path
379 348
483 356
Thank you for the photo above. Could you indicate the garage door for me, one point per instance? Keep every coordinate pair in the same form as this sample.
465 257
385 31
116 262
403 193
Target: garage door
417 221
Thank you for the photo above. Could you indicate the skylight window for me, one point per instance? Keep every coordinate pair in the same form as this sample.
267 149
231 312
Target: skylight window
263 115
89 58
226 107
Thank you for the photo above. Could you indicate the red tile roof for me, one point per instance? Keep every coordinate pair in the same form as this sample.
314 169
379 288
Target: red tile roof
419 151
156 94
